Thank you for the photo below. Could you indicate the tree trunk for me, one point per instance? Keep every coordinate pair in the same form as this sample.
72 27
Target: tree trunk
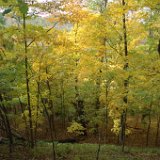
158 49
51 106
157 131
126 82
99 147
106 109
51 130
123 129
3 114
96 132
25 119
148 129
37 110
63 114
27 84
79 103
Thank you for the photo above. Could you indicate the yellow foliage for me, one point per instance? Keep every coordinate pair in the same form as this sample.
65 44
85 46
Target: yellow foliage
76 128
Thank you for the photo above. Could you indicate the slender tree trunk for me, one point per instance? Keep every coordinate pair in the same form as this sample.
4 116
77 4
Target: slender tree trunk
52 138
98 82
51 130
106 2
157 131
9 134
51 106
123 129
50 117
106 124
7 129
148 129
158 48
96 132
37 109
98 151
77 95
99 147
106 110
6 123
27 84
63 114
38 98
79 103
25 119
126 82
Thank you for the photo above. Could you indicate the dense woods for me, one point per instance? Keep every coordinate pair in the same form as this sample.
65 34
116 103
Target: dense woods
80 71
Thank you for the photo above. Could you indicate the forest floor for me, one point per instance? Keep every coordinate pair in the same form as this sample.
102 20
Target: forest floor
43 151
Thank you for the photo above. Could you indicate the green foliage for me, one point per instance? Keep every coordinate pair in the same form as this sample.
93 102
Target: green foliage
88 152
23 7
2 21
6 11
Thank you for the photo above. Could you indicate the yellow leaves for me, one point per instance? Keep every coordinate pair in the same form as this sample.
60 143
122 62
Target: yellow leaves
114 109
116 126
150 4
53 19
71 11
78 16
76 128
142 78
87 66
36 66
115 9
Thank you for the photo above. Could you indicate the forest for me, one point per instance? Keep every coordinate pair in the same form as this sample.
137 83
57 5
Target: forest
79 79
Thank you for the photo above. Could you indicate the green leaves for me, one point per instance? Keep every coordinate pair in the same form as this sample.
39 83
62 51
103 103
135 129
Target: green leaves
6 11
5 1
2 21
23 7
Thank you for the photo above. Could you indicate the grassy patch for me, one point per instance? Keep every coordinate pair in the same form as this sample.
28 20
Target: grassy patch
88 152
43 151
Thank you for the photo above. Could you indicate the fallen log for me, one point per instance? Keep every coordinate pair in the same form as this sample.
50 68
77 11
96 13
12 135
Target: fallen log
68 140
